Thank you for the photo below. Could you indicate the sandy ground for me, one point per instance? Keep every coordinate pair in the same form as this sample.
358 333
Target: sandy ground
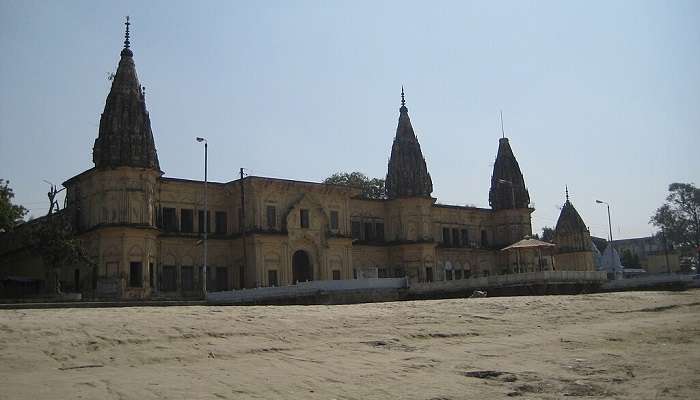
643 345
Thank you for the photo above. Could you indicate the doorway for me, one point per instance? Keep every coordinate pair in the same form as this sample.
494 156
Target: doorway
301 267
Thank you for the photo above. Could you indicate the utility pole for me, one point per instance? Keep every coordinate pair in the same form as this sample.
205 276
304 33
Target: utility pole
243 232
512 191
609 223
206 217
206 220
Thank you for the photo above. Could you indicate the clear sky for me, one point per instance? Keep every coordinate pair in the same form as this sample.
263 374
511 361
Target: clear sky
601 95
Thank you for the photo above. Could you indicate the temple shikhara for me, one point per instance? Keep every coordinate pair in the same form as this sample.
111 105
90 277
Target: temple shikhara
143 230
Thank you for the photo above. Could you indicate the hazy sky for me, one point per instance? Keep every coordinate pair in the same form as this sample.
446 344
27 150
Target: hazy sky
602 96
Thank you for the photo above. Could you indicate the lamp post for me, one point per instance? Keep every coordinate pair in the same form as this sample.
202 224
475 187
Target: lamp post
512 190
609 224
206 218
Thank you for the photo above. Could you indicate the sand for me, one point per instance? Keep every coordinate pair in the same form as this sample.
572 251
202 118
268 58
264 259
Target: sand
634 345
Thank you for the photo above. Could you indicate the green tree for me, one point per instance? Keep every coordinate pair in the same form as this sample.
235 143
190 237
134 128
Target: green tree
371 188
52 237
679 218
10 214
547 234
630 259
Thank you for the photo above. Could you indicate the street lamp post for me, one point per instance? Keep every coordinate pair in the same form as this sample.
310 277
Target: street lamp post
512 190
609 223
206 218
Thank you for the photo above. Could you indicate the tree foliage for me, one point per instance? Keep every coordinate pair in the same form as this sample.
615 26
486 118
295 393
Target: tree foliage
371 188
630 259
547 234
10 214
679 217
52 237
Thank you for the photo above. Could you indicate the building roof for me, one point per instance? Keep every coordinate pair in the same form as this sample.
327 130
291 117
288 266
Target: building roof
528 243
407 174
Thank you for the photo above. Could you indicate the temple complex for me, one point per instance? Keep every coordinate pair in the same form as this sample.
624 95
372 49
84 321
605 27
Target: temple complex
144 230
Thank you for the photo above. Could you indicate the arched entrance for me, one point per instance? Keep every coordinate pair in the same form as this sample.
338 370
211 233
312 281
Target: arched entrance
302 270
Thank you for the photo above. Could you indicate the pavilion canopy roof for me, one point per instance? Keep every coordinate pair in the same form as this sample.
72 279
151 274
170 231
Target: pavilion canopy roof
528 243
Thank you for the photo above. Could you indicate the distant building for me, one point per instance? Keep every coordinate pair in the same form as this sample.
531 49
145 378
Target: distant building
654 256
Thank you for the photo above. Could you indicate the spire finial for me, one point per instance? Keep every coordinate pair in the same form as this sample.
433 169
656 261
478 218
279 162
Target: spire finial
567 193
403 99
126 35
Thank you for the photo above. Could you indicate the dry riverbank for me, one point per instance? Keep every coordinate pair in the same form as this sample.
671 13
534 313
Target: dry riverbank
634 345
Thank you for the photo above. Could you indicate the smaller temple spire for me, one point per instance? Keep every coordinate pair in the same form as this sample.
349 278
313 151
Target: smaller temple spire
127 51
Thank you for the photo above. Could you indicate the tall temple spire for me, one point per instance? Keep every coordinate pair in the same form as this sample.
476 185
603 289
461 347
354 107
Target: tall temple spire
508 189
407 174
125 137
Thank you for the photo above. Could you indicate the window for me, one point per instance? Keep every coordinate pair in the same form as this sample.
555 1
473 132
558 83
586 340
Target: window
356 230
112 269
429 274
135 274
187 220
446 236
168 283
336 275
455 237
169 219
210 279
467 274
187 277
369 231
484 239
221 278
448 275
151 275
76 279
271 217
220 221
272 278
334 220
304 218
458 274
465 238
379 231
200 221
